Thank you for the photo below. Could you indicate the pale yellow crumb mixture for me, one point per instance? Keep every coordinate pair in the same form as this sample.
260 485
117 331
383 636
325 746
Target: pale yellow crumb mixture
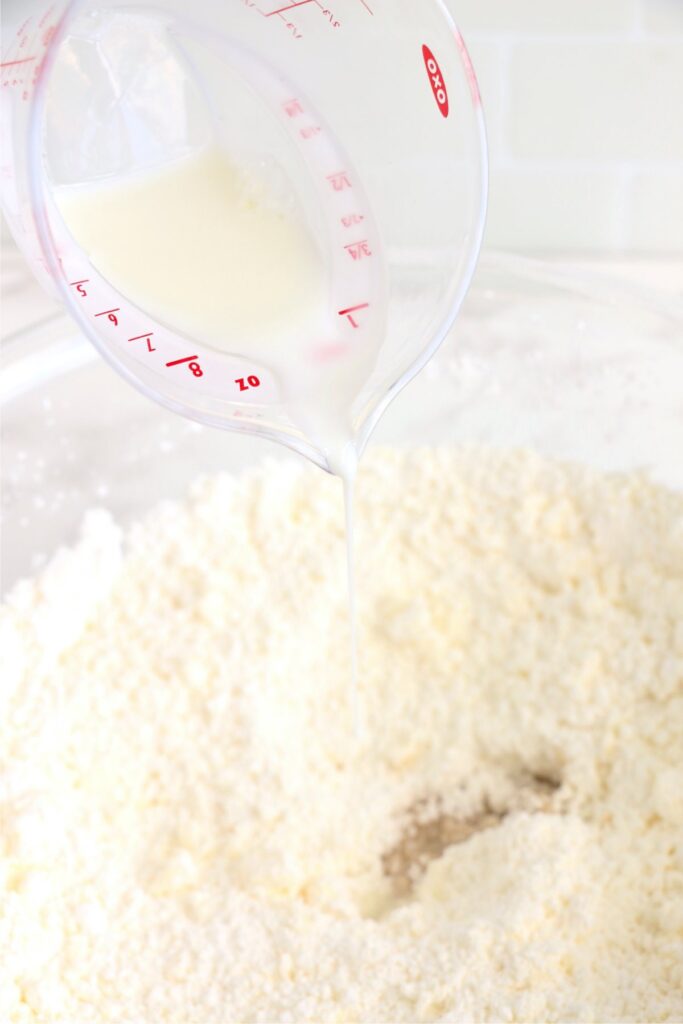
190 835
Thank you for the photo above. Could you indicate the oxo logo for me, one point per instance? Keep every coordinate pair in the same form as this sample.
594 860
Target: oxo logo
436 80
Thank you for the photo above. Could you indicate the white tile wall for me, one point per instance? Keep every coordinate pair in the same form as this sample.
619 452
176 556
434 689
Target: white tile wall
567 208
584 106
596 101
553 16
662 16
662 190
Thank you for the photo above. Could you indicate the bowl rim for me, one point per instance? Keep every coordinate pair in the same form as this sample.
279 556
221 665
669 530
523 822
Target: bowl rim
54 346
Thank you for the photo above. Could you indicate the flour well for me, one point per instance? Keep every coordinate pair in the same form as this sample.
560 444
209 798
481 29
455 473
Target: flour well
188 835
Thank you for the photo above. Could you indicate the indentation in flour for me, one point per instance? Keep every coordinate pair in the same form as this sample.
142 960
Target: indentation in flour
430 828
422 842
190 833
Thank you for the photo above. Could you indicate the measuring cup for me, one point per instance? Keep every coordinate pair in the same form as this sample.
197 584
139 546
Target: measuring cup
366 112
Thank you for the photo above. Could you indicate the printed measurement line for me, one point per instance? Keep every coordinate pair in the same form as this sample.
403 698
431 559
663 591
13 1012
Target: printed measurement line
368 9
292 108
339 181
289 7
352 309
351 219
12 63
348 313
145 337
187 359
359 250
110 314
283 13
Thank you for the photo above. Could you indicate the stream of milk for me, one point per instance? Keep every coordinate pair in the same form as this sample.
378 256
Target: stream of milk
212 252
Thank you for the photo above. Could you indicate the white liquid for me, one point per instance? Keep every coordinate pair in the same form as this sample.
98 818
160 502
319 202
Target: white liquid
347 470
201 248
214 254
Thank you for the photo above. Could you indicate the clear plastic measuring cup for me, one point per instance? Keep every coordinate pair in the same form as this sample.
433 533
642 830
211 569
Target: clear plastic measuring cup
365 112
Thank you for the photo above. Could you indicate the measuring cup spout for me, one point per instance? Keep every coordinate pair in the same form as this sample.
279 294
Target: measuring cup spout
250 235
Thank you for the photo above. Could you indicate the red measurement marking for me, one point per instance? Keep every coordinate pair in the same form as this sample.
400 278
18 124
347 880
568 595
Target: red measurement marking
330 17
326 353
110 315
469 70
351 219
339 181
192 364
78 285
293 29
47 14
368 9
358 250
250 382
13 63
288 7
436 80
310 133
348 313
292 108
147 338
178 362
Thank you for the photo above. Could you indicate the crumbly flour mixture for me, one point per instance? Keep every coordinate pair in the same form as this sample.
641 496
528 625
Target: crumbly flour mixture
189 834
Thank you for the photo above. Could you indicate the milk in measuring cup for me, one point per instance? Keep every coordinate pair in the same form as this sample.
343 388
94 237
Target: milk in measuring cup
209 250
199 281
212 253
203 248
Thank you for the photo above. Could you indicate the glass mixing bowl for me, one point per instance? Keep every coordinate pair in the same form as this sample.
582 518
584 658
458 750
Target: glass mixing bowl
579 368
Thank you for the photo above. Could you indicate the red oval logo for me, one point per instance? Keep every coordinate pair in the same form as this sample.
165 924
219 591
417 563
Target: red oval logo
436 80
